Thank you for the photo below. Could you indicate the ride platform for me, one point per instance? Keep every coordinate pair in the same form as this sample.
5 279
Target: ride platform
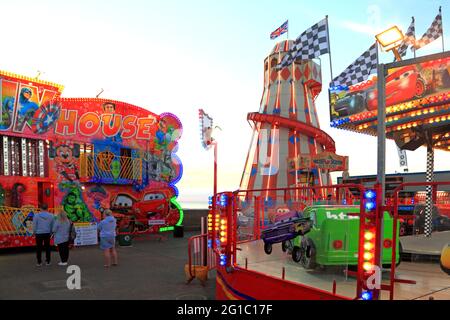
431 281
420 246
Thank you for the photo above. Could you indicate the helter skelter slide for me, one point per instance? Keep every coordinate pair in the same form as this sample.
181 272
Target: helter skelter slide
288 148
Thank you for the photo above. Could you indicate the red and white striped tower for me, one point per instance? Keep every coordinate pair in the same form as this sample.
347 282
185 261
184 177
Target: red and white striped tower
286 126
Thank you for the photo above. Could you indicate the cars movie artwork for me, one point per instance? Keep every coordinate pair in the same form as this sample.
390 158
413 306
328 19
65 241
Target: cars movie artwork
403 84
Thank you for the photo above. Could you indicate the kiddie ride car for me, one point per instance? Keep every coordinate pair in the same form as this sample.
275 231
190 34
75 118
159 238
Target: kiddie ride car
333 237
286 227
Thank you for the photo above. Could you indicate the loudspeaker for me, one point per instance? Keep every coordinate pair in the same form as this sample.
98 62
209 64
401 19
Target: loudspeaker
408 140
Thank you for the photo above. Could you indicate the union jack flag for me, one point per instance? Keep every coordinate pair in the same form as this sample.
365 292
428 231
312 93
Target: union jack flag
282 29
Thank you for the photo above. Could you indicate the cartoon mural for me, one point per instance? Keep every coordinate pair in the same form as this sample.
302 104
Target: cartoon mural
84 155
66 157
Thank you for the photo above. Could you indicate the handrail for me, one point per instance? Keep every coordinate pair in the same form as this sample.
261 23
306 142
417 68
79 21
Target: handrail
394 229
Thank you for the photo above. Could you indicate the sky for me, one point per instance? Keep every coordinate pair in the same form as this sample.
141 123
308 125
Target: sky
179 56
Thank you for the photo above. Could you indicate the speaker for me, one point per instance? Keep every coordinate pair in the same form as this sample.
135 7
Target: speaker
409 140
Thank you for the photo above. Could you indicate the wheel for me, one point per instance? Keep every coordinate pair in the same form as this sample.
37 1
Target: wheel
308 254
296 254
420 88
284 246
268 248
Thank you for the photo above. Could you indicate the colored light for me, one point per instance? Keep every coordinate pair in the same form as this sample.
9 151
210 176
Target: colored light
368 256
222 227
223 221
369 235
223 239
367 266
368 246
370 206
223 233
366 295
370 194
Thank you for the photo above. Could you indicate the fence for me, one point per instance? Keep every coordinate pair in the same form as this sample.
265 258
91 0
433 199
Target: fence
107 166
199 255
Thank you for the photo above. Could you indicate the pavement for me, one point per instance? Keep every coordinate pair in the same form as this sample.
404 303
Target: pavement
148 270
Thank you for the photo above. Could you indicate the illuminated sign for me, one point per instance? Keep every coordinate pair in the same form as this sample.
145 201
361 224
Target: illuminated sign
417 97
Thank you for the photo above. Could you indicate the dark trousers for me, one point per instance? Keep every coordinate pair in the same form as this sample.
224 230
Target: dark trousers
43 242
63 249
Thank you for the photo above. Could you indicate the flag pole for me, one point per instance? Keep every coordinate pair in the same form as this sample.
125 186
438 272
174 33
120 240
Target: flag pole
414 44
287 32
329 49
442 28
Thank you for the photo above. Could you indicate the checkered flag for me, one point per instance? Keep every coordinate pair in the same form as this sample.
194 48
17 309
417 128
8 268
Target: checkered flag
410 39
310 44
433 32
359 70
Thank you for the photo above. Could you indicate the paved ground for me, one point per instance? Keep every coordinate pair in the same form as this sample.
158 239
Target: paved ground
148 270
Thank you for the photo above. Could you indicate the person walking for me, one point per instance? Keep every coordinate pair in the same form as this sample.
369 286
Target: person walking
42 229
107 228
61 231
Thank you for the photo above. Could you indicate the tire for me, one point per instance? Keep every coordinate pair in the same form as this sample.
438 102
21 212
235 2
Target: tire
284 246
296 254
268 248
420 88
308 250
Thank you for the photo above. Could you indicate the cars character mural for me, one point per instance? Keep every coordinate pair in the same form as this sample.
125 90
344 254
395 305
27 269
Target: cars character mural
403 84
84 155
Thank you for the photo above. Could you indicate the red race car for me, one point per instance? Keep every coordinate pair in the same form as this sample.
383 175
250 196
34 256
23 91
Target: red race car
402 85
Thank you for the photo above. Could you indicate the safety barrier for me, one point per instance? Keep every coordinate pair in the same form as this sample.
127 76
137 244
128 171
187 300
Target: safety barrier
107 166
18 221
201 258
435 200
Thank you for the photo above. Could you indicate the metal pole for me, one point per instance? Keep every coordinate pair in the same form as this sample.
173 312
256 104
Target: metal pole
381 164
329 50
430 178
381 129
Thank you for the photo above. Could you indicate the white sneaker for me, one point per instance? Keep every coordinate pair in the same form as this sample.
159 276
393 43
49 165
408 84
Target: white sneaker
38 264
48 263
62 263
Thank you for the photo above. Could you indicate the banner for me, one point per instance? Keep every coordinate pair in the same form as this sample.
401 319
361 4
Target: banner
403 85
86 234
325 161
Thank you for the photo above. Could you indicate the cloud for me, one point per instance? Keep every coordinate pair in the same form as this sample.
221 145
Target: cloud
358 27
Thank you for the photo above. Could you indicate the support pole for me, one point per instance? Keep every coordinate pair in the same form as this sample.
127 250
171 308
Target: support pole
381 165
381 130
429 199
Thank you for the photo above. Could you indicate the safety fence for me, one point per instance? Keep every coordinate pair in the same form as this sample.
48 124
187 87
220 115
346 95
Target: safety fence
201 258
109 167
18 221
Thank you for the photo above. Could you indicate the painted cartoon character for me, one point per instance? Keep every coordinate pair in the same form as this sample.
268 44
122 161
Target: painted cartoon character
163 135
26 108
6 114
66 158
74 206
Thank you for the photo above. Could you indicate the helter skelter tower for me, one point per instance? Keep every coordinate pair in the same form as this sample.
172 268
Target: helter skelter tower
285 128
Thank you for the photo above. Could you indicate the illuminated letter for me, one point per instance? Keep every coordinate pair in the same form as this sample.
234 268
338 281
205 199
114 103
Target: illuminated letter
67 119
111 126
144 128
89 124
129 127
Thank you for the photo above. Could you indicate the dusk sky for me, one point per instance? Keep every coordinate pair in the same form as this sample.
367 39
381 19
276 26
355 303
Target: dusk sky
178 56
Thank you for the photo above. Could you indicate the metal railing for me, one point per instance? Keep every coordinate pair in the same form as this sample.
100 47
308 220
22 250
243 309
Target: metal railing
18 221
109 167
199 255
